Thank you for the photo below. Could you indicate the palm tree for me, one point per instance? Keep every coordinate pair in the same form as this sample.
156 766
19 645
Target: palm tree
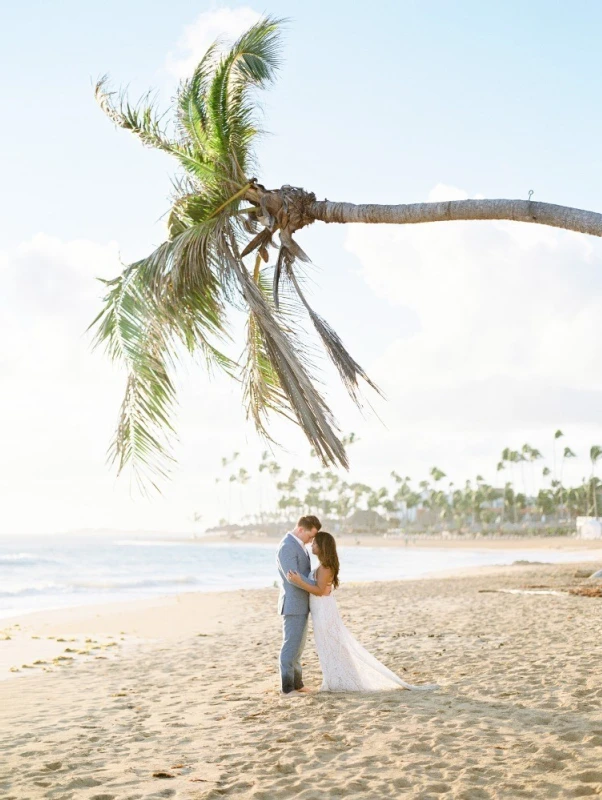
376 498
512 457
342 503
558 435
403 493
178 297
412 500
544 502
510 498
242 479
566 454
359 490
595 454
263 466
533 455
196 518
232 479
499 468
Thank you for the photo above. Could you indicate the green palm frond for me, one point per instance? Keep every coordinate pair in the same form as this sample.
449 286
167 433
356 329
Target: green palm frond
262 389
191 102
132 332
143 121
250 64
143 325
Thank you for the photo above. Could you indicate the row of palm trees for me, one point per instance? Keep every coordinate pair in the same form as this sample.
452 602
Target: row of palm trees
432 502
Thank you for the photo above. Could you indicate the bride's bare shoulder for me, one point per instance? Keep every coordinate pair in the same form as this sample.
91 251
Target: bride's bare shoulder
324 572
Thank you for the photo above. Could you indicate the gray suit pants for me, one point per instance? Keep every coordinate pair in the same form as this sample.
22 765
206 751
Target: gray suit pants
294 634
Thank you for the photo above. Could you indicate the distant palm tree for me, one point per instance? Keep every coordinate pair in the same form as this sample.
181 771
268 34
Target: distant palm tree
510 498
595 454
524 457
532 455
342 504
242 479
196 518
437 474
403 493
358 491
512 457
179 296
499 468
558 435
377 500
567 454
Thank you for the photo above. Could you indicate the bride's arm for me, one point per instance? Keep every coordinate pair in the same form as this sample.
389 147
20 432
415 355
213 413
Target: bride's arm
323 580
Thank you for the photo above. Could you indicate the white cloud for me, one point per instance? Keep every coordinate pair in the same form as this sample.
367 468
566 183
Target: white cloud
494 300
222 23
50 297
442 192
505 348
507 343
60 400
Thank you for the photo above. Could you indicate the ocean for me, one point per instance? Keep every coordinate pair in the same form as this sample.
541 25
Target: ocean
50 572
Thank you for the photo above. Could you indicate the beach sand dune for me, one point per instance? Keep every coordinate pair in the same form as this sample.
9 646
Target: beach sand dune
183 715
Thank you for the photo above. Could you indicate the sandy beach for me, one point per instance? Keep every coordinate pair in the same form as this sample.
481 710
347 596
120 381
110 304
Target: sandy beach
177 697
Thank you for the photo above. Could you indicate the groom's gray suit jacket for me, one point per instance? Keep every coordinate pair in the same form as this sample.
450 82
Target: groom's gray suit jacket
292 555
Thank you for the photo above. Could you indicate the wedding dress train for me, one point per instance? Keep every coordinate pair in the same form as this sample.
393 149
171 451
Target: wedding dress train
346 665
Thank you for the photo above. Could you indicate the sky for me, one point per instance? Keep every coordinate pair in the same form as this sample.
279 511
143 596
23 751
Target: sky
482 335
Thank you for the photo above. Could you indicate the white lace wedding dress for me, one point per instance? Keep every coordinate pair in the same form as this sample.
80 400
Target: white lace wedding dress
346 665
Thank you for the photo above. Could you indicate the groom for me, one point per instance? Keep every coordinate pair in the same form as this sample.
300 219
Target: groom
293 603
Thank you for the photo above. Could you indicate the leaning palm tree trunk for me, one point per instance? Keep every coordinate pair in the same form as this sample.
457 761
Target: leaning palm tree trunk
572 219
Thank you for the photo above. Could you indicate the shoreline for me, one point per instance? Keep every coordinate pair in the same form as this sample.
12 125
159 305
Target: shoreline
92 631
421 542
565 551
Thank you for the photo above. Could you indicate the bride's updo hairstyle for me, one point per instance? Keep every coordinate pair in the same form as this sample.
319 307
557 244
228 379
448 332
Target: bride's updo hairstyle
327 553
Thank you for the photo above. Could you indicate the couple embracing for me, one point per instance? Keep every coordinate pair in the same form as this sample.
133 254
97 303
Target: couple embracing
346 665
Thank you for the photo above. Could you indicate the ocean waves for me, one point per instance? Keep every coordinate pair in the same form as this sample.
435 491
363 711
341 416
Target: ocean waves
100 585
68 571
24 560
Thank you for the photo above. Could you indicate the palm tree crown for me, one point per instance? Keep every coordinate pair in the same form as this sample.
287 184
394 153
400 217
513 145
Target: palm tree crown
178 298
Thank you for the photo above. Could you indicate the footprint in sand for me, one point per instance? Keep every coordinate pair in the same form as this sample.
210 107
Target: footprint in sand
590 776
571 736
83 783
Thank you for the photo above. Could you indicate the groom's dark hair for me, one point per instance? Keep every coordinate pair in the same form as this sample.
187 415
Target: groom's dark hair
309 522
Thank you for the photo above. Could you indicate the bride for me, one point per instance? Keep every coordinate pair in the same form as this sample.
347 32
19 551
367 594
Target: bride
346 665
